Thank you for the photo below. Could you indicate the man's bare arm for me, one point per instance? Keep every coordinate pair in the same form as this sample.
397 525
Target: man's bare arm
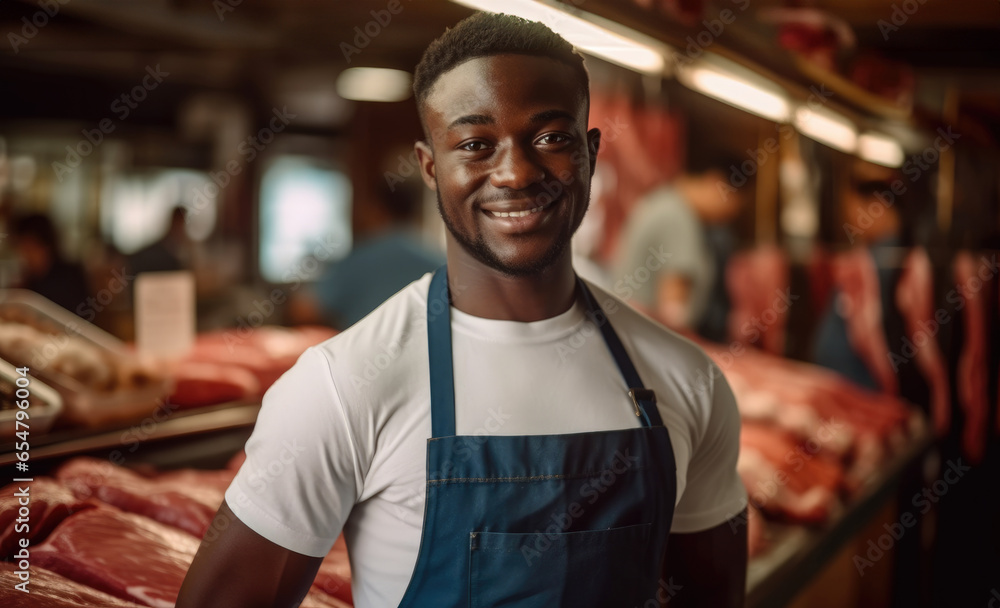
237 567
673 300
708 569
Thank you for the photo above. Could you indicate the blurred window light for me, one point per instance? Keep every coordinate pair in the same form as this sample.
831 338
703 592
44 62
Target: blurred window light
136 207
624 49
374 84
827 127
880 149
305 218
23 170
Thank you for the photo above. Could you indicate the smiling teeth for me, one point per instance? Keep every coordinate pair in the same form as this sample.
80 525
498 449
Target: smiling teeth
518 213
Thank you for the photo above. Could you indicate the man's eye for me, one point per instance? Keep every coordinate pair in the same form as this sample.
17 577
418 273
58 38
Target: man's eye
473 146
553 138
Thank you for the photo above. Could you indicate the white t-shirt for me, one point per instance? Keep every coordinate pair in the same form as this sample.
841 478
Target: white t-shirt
340 443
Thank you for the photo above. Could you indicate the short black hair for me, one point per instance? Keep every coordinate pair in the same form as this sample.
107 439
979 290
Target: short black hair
702 159
485 34
39 227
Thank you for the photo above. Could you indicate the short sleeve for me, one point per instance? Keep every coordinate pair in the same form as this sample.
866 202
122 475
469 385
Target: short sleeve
660 237
301 476
714 491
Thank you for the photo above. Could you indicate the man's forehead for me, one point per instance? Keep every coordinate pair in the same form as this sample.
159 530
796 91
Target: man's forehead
484 83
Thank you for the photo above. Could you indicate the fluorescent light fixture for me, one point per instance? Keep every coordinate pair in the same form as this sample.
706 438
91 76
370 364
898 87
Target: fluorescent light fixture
624 50
880 149
748 92
374 84
827 127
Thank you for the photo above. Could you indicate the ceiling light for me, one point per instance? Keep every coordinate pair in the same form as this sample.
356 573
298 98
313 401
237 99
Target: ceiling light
749 92
374 84
623 48
880 149
827 127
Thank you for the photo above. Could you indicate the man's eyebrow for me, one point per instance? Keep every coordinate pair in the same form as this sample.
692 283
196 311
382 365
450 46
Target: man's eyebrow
550 115
471 119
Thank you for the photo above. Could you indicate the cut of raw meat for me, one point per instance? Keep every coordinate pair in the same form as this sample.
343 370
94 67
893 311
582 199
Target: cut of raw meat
856 277
207 487
757 532
316 599
198 383
915 299
267 352
755 279
50 590
179 504
334 576
49 502
972 362
131 557
785 478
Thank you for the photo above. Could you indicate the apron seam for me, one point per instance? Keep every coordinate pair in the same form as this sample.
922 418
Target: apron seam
536 477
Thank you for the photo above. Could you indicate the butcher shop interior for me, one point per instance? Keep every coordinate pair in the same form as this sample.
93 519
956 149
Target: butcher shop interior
192 194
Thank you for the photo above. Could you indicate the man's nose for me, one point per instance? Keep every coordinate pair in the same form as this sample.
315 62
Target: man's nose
517 169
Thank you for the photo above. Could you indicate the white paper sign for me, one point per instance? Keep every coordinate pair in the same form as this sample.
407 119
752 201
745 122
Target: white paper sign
165 313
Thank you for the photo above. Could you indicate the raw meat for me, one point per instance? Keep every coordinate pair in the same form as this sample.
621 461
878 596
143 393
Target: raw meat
50 590
316 599
757 531
755 279
207 487
266 352
785 478
633 137
856 277
915 299
972 363
198 383
334 576
236 461
49 502
130 557
182 505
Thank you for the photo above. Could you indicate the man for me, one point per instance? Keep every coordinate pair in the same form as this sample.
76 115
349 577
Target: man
170 253
684 285
502 450
387 256
44 270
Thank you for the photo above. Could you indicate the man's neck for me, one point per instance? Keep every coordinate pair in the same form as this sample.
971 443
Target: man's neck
691 193
481 291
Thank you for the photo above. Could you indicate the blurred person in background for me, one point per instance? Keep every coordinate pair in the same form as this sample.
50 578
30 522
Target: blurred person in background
863 319
387 256
673 249
43 268
171 252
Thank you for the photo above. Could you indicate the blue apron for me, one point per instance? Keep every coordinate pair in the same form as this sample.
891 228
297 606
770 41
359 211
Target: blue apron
541 520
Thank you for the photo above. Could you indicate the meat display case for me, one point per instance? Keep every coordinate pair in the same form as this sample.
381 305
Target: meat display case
202 438
798 553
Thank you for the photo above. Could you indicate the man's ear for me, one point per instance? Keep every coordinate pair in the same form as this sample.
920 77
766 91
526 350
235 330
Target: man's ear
593 146
425 160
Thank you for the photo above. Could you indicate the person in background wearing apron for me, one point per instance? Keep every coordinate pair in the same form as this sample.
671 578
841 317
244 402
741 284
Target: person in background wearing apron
499 432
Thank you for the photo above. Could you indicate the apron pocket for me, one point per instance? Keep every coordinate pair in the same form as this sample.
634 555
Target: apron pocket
601 568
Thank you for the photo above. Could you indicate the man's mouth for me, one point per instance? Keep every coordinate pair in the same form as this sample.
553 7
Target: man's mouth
515 220
523 213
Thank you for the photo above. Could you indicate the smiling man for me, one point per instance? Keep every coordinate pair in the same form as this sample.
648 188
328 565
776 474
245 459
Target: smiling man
499 433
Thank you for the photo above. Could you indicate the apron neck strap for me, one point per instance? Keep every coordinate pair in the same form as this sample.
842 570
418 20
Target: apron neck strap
442 375
643 399
439 347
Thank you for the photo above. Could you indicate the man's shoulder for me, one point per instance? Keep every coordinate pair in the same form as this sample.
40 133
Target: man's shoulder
662 200
374 344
